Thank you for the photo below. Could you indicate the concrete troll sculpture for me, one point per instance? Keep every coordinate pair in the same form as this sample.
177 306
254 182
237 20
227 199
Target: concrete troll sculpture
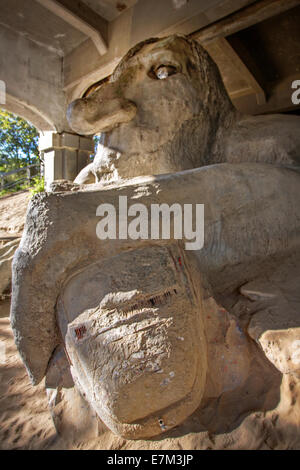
139 335
165 109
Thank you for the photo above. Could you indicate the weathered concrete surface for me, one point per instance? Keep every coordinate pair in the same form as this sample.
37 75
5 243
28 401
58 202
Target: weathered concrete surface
250 228
165 109
33 78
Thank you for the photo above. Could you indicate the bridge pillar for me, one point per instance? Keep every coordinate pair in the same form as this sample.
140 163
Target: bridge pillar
64 155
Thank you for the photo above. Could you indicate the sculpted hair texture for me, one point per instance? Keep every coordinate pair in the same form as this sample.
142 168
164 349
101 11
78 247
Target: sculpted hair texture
131 53
209 73
197 139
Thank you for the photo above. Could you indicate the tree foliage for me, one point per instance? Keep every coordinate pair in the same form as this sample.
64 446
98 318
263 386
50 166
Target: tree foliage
18 142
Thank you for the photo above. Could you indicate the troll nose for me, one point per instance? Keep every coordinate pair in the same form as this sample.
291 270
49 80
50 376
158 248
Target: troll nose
100 112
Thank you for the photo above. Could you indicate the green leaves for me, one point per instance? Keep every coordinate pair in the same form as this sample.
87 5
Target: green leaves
18 142
38 186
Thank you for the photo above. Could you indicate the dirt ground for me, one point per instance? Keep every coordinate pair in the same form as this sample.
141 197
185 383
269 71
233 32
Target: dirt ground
12 214
25 422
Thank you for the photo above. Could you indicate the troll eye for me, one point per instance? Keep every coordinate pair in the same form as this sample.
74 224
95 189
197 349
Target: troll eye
164 71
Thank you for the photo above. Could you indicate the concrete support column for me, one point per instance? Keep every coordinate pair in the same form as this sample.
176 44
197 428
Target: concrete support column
64 155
